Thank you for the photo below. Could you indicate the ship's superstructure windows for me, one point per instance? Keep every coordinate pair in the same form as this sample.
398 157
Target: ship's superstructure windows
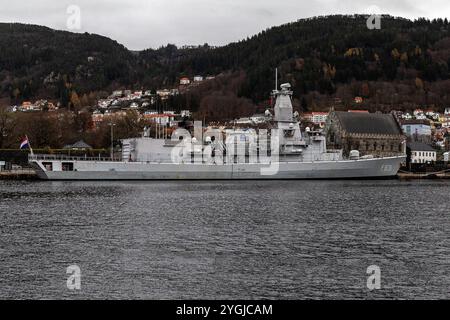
48 166
67 166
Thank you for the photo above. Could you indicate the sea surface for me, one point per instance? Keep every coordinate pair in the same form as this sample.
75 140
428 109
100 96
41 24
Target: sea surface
225 240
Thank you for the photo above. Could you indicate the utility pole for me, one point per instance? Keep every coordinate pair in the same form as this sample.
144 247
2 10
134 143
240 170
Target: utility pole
112 140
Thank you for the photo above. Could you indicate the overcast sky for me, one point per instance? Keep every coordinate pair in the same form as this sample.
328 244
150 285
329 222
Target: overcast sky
140 24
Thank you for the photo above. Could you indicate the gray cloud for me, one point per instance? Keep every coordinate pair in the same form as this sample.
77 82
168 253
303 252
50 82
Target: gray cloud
141 24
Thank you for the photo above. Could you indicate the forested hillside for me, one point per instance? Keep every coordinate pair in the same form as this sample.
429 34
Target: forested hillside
40 62
328 60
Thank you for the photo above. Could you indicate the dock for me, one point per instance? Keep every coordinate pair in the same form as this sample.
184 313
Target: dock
24 174
420 176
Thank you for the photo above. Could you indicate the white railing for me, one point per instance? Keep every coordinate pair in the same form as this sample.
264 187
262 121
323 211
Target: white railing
63 157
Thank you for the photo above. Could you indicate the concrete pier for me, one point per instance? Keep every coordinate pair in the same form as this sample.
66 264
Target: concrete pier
418 176
25 174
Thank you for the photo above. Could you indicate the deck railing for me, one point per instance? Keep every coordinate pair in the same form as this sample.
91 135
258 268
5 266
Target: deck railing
64 157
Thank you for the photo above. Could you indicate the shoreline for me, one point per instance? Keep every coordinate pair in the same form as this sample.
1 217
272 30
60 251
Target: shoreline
28 175
422 176
21 175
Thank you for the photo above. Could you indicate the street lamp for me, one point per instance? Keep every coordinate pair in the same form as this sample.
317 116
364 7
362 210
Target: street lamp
112 139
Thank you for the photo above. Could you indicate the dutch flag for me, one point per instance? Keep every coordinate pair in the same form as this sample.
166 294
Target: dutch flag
25 144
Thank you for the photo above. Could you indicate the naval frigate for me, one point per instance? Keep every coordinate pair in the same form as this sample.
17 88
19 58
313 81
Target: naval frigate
283 152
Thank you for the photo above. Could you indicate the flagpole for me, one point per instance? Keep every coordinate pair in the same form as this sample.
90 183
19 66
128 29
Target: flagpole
29 145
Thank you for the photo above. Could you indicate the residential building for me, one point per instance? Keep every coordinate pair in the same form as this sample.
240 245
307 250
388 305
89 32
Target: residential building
258 118
185 81
406 116
185 113
117 94
163 94
318 118
446 122
417 129
163 119
359 100
419 152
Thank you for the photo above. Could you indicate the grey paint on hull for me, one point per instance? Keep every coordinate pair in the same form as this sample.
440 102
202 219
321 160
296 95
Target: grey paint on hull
92 170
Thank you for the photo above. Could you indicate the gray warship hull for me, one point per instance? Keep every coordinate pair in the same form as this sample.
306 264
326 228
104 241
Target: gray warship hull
104 170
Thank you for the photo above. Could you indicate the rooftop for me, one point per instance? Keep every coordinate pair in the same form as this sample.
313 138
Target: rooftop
420 146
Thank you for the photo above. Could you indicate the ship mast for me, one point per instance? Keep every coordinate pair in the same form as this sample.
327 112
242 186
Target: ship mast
276 79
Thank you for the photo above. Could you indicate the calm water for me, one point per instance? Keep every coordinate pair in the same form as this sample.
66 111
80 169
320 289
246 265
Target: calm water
227 240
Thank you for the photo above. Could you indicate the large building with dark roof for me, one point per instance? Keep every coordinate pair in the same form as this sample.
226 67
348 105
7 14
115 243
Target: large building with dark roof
374 134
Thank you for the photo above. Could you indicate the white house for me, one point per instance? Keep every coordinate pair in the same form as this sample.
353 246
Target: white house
185 81
198 78
185 113
258 118
406 116
421 152
316 117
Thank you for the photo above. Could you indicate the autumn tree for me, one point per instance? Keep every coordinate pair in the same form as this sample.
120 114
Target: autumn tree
75 100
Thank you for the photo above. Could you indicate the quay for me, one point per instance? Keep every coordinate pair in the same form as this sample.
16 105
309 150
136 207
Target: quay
23 174
403 175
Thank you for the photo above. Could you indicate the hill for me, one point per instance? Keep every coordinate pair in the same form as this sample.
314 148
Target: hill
38 62
329 60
